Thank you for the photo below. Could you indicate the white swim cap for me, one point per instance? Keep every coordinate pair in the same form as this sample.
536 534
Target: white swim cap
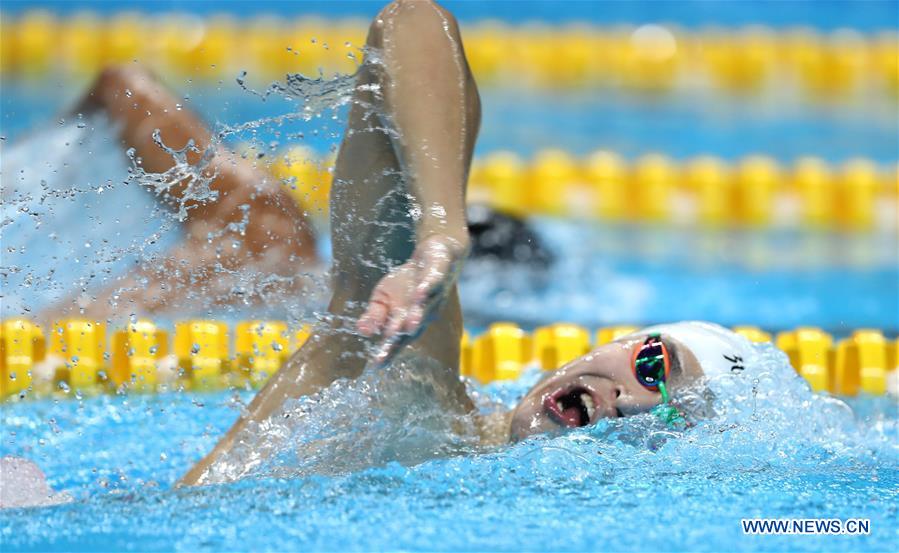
718 350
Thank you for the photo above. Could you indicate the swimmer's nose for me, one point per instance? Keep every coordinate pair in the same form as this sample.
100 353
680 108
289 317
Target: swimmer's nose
628 405
609 394
610 397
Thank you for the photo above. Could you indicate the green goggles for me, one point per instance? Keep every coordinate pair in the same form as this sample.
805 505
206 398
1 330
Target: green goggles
652 367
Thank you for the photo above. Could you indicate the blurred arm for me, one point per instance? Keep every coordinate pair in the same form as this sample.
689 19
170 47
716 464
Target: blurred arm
274 238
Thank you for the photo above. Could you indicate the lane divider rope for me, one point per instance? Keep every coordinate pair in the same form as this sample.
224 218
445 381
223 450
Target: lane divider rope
754 192
649 58
77 356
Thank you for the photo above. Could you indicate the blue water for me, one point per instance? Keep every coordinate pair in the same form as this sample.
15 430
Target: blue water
606 275
69 224
579 122
625 485
603 274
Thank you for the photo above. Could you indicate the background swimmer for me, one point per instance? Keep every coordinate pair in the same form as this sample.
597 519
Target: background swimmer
251 226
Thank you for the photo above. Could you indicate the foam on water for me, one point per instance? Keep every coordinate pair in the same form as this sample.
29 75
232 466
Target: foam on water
22 484
385 415
70 217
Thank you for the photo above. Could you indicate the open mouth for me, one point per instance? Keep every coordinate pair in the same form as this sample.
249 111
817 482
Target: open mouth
572 407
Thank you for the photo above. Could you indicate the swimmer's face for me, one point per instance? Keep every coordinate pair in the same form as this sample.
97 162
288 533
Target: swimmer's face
598 385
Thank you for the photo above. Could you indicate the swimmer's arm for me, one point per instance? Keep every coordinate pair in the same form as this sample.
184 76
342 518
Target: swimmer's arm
427 99
425 95
252 223
303 375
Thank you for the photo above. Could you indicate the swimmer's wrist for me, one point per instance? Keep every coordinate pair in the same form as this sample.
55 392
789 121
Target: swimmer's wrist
457 244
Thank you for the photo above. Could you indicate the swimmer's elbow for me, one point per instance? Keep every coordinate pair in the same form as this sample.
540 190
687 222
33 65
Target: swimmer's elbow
418 18
421 47
124 92
117 78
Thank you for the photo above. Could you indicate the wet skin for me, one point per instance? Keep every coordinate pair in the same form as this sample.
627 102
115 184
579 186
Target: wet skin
274 237
399 232
598 385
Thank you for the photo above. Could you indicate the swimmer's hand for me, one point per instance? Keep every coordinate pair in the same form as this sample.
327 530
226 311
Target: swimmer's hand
404 300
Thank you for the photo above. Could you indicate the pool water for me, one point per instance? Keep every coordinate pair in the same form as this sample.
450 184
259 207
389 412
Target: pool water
606 275
826 14
628 484
681 124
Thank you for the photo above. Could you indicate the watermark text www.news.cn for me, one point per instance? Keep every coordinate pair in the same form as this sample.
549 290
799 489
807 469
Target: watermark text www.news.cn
811 526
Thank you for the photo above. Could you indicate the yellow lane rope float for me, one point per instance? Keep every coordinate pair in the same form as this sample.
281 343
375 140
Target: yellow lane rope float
650 58
754 192
83 358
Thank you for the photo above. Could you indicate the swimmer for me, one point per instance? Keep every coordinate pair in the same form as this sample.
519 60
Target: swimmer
505 238
252 227
400 236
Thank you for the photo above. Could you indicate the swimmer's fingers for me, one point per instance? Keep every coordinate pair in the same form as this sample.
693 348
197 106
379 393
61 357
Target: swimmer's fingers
414 318
403 300
385 315
404 327
393 336
375 317
397 323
